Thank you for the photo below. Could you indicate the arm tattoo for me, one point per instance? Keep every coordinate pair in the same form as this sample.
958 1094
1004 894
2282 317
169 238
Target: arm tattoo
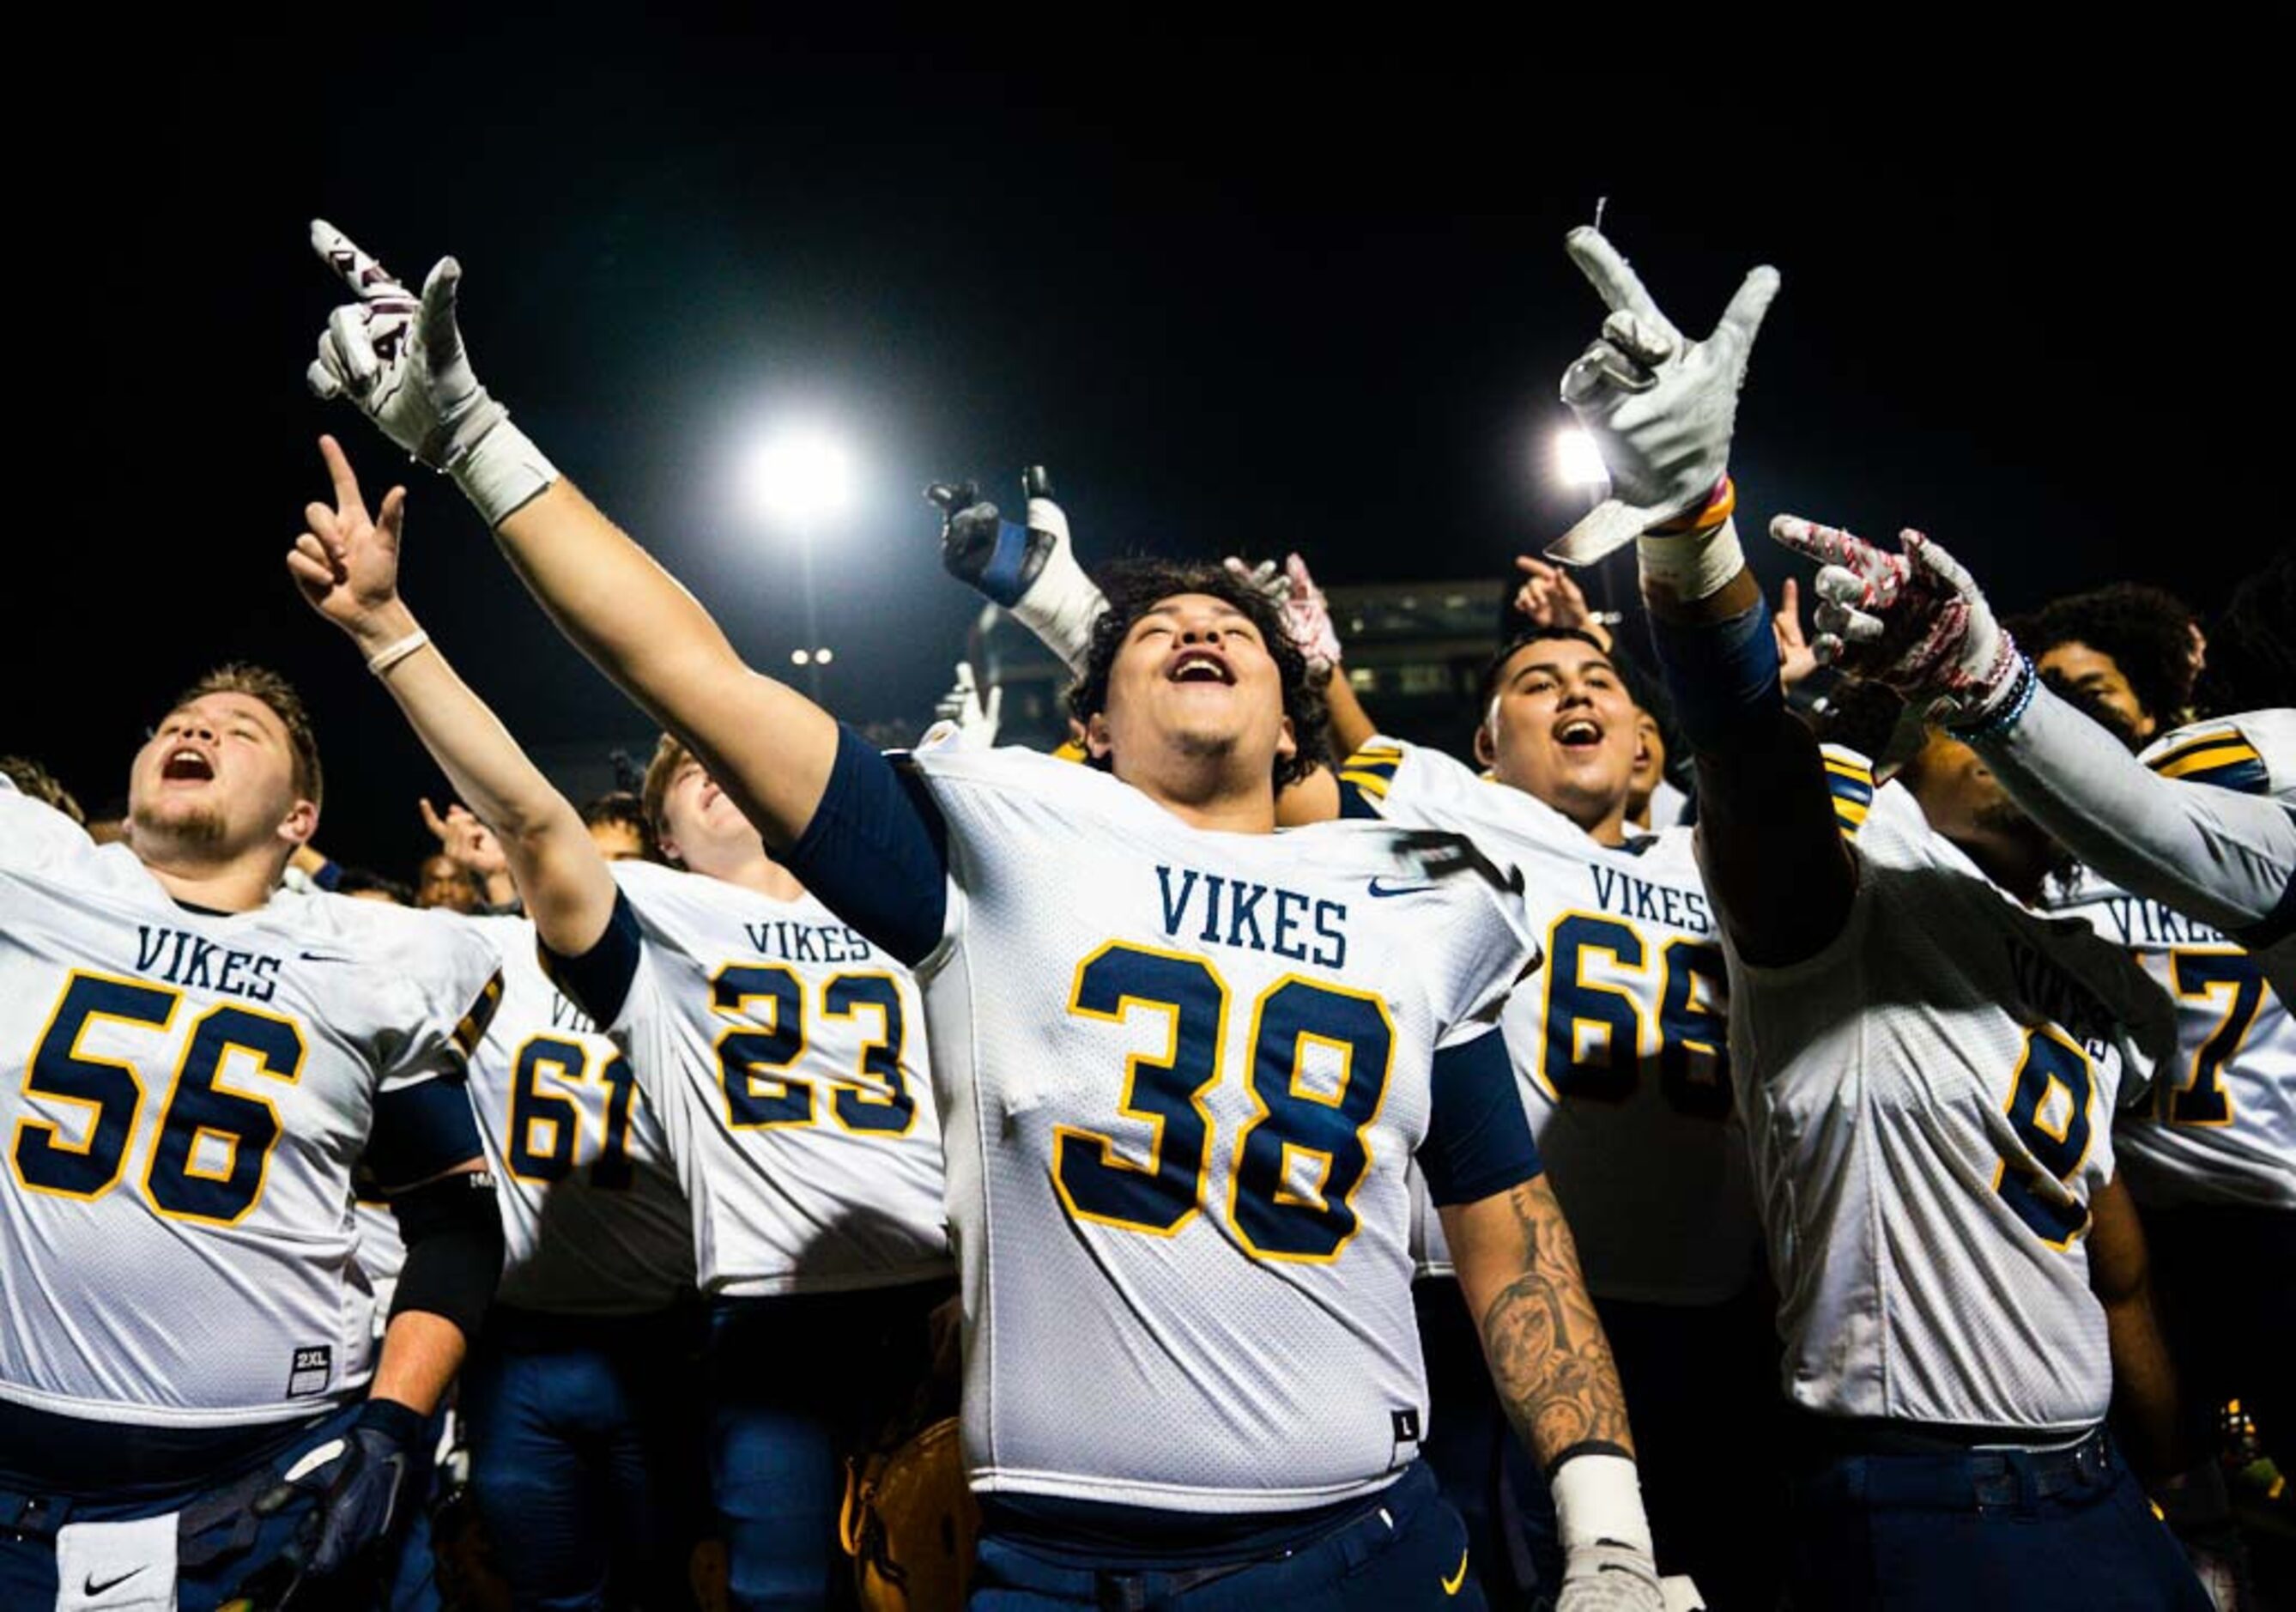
1548 1356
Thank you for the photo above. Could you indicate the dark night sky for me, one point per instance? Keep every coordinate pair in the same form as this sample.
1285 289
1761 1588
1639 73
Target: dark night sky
1238 294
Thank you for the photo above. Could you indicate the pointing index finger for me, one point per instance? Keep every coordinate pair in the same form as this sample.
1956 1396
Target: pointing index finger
1613 279
357 267
345 479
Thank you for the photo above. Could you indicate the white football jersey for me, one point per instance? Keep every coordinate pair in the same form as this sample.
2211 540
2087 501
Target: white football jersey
1183 1075
2254 753
2221 1124
1621 1045
183 1097
1930 1103
785 1058
593 1218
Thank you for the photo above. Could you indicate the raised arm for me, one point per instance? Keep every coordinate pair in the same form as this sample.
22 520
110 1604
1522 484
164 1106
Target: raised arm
2225 858
347 566
401 359
1916 620
1662 408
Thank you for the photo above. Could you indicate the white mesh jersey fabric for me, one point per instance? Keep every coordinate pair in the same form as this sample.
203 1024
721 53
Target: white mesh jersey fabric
1930 1104
1183 1075
1622 1044
185 1100
2220 1126
786 1058
593 1218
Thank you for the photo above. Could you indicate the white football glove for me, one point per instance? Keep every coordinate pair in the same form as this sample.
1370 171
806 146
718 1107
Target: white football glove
1307 613
1608 1565
401 359
1607 1577
1914 621
961 718
1661 408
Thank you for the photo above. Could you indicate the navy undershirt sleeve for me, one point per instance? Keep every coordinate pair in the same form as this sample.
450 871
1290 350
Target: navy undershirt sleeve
598 982
1723 676
1478 1140
876 852
1353 801
420 1132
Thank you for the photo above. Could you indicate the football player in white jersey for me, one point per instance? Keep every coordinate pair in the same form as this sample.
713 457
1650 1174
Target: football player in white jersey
193 1404
1621 1052
1622 1049
2212 1158
1927 1071
782 1059
1181 1060
574 1405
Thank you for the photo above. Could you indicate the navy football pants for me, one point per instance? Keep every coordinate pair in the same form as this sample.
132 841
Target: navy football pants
220 1542
795 1386
581 1430
1983 1532
1402 1547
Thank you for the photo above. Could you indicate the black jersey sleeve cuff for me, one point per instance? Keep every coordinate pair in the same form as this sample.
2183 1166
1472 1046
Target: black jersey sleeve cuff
1478 1140
876 851
598 982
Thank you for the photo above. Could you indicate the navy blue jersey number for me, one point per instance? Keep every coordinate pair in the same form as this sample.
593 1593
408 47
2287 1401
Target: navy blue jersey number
212 1151
2054 1131
1320 1061
1595 1028
543 1142
2203 1101
754 1059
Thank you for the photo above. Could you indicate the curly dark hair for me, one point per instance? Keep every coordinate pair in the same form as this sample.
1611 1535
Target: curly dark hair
625 807
2148 632
1135 587
2252 662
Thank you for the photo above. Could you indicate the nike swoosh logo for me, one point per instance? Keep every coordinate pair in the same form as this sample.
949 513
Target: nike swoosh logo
1451 1584
88 1586
1398 889
324 957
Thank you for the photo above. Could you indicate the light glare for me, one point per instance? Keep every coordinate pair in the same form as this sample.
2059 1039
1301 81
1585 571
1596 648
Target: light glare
1578 462
799 477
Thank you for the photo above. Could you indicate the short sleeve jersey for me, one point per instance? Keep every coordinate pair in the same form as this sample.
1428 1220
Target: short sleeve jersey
593 1218
1622 1044
1930 1111
785 1054
1183 1075
185 1098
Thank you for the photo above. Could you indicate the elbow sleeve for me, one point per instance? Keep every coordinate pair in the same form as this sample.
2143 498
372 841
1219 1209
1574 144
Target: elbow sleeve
454 1236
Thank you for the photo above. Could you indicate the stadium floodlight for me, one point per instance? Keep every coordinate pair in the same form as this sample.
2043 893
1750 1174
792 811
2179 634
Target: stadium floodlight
799 478
1578 462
